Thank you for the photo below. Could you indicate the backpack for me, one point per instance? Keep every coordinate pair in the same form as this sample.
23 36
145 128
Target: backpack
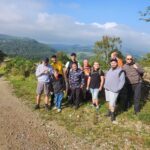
99 71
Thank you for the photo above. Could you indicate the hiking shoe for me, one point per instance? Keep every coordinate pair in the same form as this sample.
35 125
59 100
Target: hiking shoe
37 106
47 108
54 108
108 114
76 107
59 110
112 116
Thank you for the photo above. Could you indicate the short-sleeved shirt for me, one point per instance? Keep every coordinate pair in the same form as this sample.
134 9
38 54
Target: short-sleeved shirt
58 65
95 78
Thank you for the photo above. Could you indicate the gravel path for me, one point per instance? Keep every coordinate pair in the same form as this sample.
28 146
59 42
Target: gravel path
22 129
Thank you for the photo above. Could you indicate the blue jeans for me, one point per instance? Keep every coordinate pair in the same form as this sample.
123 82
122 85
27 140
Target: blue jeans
58 99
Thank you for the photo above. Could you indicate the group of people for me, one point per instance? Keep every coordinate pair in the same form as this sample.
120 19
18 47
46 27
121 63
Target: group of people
81 82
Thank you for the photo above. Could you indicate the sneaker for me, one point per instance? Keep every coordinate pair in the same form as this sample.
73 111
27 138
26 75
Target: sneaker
58 110
47 108
54 108
108 114
97 107
37 106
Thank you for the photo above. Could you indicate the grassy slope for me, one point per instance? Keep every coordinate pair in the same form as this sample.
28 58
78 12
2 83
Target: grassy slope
132 132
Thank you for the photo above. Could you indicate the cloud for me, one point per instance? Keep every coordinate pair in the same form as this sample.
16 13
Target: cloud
108 25
29 18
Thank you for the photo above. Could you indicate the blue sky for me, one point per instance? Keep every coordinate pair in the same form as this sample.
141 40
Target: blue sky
122 12
76 21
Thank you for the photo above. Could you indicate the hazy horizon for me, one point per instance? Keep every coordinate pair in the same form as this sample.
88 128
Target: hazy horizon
76 22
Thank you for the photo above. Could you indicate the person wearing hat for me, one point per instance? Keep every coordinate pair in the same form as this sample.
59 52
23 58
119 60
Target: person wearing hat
43 73
67 69
114 82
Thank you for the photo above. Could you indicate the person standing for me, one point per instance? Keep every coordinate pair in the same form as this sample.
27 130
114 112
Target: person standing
58 84
134 75
120 61
114 82
95 83
43 73
76 83
67 69
57 64
86 70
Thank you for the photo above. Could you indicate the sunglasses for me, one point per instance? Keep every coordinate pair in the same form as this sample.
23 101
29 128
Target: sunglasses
129 58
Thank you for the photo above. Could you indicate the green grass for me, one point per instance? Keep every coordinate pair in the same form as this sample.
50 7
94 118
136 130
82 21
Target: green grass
132 132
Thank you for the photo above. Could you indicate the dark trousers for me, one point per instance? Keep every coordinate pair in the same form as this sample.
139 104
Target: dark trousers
134 90
75 96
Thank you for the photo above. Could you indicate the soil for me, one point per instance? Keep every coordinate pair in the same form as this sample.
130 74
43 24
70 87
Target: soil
23 129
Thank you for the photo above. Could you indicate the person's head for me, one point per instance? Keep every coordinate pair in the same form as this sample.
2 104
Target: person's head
114 63
114 55
54 58
73 56
74 66
56 72
85 62
96 65
129 59
45 61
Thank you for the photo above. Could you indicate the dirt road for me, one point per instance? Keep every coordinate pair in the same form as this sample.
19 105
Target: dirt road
22 129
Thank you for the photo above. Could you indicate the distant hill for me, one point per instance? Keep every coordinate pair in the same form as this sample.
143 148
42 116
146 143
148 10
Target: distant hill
25 47
72 48
87 50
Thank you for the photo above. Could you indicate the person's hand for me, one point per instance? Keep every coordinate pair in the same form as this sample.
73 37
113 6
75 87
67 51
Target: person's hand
100 88
46 72
87 88
135 66
81 86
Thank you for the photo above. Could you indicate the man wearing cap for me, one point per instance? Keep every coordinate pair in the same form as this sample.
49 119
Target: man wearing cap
67 69
114 82
69 64
43 73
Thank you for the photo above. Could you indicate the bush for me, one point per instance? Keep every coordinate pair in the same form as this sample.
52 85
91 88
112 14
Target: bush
20 66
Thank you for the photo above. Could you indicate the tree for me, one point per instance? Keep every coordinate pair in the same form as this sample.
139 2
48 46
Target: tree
62 56
103 47
145 15
145 61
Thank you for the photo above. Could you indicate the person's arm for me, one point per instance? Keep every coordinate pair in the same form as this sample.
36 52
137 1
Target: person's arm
39 72
101 82
139 69
65 70
122 80
82 80
88 82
